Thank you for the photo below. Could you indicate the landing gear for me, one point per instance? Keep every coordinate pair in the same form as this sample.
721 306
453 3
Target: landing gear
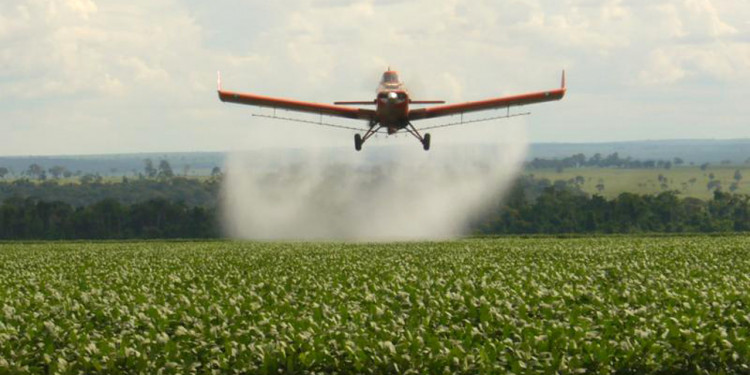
424 140
360 140
357 142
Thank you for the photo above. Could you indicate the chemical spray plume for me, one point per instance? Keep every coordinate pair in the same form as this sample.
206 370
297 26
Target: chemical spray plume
383 193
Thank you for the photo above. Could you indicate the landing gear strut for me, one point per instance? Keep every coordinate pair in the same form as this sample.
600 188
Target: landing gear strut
360 140
424 140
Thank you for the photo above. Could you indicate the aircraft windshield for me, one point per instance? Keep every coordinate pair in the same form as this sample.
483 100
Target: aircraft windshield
390 77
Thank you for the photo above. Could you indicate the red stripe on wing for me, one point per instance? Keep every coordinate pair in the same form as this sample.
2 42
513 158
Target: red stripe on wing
481 105
295 105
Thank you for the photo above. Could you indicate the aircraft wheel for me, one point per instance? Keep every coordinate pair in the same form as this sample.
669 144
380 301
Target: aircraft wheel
426 142
357 142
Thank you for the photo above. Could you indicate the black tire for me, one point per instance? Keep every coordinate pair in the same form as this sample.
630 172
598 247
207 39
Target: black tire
357 142
426 142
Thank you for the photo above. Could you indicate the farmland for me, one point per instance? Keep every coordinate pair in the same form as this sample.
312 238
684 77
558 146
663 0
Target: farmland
539 305
689 181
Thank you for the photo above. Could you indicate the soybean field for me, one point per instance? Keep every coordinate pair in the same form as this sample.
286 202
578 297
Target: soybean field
512 305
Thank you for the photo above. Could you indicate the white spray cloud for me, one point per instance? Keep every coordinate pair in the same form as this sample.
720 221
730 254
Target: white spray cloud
383 193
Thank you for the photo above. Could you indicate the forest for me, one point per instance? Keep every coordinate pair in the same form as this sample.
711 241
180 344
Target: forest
177 207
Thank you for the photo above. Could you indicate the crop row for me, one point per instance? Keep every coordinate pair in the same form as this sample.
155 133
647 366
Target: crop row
526 306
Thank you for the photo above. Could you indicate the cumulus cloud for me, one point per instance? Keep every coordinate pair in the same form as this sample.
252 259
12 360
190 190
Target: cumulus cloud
147 66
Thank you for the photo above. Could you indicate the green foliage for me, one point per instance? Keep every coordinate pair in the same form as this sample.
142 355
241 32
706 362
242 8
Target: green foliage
57 171
187 208
168 209
542 306
610 161
35 171
165 170
148 168
567 211
92 189
689 181
107 219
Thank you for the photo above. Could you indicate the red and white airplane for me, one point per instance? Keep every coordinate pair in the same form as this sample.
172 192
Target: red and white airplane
392 111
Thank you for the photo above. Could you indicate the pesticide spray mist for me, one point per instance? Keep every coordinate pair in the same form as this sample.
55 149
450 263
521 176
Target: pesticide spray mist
382 193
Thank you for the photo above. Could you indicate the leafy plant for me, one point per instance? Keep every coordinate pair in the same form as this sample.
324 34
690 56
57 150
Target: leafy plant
527 306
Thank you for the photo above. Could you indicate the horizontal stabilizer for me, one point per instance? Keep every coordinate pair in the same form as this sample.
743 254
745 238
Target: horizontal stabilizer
427 101
362 102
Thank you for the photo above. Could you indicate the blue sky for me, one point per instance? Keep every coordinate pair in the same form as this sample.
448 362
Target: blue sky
87 76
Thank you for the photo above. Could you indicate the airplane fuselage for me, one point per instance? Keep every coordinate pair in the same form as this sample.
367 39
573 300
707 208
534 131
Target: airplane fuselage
392 103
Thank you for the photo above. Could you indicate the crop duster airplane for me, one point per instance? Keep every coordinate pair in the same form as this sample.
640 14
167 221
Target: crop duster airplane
392 111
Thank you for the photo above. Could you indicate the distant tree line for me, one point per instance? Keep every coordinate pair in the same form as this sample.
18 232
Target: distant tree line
27 219
191 191
610 161
563 210
533 206
56 172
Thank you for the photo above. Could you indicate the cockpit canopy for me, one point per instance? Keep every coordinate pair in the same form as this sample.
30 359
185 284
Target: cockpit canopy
390 77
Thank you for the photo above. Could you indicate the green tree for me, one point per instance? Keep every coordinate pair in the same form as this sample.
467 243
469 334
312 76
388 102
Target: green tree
578 160
57 171
3 171
704 166
165 170
216 172
678 161
148 168
737 175
35 170
90 178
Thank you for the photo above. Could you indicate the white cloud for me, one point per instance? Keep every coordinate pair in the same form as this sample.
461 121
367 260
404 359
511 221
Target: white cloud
83 7
662 69
149 65
705 18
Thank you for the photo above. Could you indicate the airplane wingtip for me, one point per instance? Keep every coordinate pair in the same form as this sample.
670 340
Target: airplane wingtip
562 84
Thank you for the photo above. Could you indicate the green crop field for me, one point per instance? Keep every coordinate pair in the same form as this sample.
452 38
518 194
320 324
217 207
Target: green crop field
523 306
689 181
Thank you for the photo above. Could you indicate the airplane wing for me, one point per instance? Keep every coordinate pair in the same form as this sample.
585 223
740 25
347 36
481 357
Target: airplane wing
495 103
294 105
